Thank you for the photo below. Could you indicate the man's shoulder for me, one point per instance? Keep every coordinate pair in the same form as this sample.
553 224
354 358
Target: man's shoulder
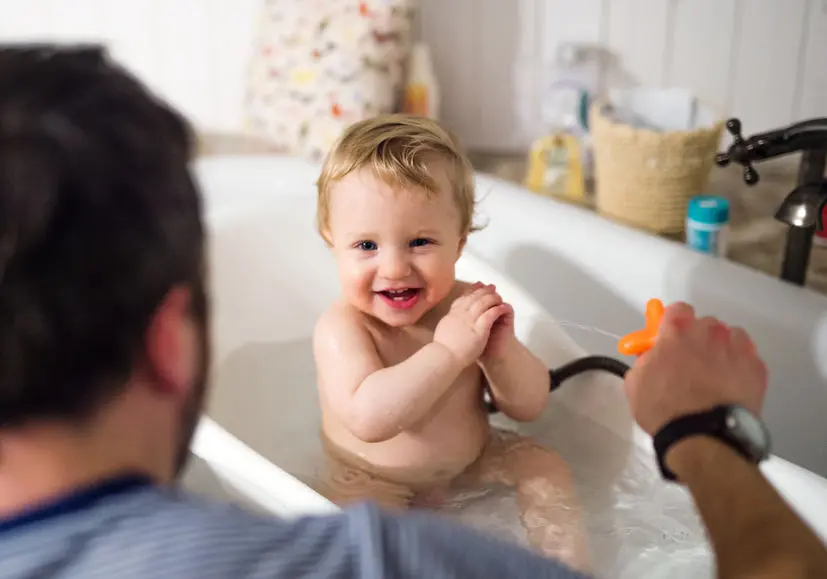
155 533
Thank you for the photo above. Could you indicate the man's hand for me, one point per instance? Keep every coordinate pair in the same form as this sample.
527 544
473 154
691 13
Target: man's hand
466 328
694 365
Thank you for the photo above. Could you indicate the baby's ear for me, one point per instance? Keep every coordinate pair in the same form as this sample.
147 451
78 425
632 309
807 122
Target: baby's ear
325 234
462 241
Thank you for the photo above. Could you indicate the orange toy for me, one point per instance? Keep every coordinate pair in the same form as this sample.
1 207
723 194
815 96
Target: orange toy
639 342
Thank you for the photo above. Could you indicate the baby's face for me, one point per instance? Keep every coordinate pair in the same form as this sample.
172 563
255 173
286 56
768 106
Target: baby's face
395 249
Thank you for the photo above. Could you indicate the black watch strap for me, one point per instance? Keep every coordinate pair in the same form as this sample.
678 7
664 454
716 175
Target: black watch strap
708 423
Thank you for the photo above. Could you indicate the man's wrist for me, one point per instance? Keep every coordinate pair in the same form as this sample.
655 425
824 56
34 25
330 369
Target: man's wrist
730 425
696 453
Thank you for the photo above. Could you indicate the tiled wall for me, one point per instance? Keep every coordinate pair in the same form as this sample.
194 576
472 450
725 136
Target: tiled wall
762 60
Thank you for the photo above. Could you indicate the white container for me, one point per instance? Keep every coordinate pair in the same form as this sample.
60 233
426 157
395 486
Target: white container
421 89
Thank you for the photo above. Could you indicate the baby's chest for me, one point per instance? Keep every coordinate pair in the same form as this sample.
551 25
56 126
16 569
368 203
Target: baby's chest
397 348
400 348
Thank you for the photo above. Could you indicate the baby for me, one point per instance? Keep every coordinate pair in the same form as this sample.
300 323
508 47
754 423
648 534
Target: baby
404 357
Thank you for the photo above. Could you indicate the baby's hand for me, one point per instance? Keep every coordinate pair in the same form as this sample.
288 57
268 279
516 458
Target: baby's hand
467 326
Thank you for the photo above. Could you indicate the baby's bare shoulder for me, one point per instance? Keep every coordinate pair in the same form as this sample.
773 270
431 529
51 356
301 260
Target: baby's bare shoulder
340 318
341 337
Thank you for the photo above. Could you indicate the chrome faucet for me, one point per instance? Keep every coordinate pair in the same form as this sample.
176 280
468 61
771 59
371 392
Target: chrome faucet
802 209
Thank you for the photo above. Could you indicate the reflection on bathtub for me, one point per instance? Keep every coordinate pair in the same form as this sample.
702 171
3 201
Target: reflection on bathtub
265 395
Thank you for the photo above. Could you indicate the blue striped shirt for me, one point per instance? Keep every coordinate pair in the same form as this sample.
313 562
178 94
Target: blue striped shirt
129 529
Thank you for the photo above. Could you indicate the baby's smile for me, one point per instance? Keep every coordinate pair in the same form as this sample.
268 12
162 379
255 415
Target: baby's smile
400 298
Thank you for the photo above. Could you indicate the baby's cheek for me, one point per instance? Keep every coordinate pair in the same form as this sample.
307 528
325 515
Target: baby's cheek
441 274
354 279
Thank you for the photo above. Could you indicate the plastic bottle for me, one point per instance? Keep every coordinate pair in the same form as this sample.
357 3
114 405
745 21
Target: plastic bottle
421 88
707 224
560 162
574 80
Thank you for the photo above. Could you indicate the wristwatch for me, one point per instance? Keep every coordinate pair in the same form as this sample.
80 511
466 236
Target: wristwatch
732 424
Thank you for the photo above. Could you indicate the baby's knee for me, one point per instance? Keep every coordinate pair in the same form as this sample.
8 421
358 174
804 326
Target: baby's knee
541 472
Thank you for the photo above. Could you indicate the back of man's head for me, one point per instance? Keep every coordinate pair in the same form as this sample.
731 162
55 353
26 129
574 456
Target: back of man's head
99 219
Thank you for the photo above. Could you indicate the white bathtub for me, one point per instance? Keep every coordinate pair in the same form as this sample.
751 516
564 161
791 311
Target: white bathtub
272 276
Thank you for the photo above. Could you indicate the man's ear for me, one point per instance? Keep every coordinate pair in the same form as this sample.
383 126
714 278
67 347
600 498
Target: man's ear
170 343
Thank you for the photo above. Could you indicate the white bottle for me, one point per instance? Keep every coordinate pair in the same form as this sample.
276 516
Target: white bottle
421 89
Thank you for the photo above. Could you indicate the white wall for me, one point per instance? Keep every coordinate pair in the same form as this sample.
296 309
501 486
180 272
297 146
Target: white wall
763 60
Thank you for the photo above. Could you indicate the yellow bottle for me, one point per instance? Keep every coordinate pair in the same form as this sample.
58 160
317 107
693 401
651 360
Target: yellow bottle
555 168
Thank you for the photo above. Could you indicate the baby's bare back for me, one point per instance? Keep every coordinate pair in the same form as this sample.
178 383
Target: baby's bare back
441 445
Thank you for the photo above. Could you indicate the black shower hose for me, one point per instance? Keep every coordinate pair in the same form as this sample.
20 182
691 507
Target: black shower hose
573 368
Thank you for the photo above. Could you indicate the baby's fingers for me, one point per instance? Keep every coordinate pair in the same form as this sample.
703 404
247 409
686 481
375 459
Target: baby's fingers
487 319
484 302
473 294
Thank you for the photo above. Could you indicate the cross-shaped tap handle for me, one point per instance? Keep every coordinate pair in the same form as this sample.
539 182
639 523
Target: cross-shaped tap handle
738 152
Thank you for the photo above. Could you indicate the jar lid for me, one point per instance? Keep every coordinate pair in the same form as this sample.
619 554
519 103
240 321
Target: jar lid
708 209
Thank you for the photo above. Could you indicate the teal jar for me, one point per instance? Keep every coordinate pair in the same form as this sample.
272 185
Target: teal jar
707 224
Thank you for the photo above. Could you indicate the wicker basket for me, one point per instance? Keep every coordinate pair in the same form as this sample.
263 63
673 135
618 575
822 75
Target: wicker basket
645 178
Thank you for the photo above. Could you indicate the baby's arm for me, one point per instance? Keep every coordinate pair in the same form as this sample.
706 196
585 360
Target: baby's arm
376 403
518 380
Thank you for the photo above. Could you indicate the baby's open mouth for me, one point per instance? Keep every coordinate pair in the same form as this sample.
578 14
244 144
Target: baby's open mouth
401 299
400 295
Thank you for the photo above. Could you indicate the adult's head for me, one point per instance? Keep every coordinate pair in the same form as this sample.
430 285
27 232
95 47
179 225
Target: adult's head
103 312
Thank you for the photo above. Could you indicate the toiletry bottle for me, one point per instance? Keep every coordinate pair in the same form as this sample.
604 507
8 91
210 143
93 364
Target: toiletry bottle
707 224
559 161
421 89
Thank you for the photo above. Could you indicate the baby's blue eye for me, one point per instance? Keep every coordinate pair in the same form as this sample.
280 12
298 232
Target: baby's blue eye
367 245
420 242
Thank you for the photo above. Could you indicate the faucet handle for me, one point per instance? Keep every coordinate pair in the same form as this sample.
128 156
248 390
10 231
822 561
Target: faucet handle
737 152
750 174
733 125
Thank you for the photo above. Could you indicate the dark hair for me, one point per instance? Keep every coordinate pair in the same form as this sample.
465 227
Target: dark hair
99 219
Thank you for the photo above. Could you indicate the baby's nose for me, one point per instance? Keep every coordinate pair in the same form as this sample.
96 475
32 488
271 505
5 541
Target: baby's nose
394 266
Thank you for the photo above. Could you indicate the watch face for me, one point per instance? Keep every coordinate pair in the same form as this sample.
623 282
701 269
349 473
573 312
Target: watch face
745 427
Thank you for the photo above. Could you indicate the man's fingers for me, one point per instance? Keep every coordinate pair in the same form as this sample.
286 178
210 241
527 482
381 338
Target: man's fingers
712 328
741 341
677 316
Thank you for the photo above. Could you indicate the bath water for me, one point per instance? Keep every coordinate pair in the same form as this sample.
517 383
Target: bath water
637 524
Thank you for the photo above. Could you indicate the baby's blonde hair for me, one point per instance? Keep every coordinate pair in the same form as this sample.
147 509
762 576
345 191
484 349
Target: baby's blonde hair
398 149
